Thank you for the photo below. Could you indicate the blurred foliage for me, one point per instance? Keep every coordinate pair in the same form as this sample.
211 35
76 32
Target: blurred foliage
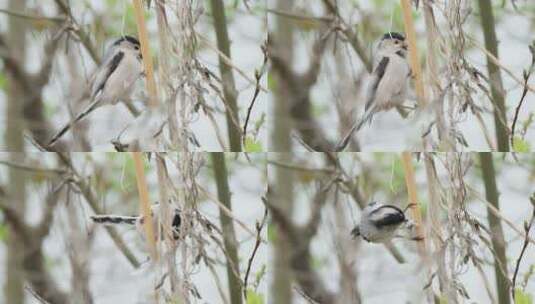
272 233
520 145
254 297
260 275
3 81
253 145
272 84
522 297
3 232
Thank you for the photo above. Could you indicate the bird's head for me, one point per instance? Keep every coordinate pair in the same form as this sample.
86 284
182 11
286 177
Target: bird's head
127 43
393 42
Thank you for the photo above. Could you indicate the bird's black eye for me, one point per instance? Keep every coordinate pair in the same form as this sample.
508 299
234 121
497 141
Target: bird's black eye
136 47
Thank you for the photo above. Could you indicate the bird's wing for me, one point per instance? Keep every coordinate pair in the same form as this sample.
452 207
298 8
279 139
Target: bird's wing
377 75
103 74
387 215
394 82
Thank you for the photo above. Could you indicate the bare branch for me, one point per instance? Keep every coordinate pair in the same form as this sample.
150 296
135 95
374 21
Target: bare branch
527 228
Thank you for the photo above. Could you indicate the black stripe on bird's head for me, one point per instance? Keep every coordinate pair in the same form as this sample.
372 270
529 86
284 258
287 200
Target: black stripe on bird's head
393 35
130 39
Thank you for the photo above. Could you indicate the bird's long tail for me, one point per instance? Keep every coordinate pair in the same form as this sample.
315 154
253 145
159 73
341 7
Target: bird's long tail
93 105
114 219
367 117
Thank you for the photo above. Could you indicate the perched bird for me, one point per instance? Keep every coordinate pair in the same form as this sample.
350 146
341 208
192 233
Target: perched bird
113 81
389 80
138 221
379 222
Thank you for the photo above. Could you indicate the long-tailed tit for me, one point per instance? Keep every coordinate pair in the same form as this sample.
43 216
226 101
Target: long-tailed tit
379 222
389 80
113 81
138 221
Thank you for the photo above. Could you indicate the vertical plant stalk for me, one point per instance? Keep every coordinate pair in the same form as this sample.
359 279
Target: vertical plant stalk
413 199
498 241
438 104
145 51
145 204
413 51
416 214
229 235
282 194
14 140
166 209
282 121
13 288
435 233
229 86
497 91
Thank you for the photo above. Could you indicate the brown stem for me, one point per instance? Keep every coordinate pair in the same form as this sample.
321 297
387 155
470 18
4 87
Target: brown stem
491 44
498 241
229 86
229 235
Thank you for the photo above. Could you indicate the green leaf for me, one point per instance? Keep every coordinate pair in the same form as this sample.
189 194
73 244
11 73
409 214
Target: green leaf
259 275
252 146
254 298
272 234
522 297
3 232
520 145
272 83
3 81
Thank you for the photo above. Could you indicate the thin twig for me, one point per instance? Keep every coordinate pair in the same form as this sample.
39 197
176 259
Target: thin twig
259 227
300 17
35 295
527 74
26 167
227 211
503 67
32 17
258 77
497 213
527 228
228 61
84 37
89 196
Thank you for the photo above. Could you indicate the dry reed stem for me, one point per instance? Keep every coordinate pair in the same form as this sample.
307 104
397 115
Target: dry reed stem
413 51
145 204
413 199
145 51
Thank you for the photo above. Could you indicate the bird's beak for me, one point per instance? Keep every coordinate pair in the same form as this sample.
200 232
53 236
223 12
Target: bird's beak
405 45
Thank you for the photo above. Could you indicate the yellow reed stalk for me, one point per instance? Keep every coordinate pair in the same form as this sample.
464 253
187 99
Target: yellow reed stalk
413 51
145 51
145 204
413 198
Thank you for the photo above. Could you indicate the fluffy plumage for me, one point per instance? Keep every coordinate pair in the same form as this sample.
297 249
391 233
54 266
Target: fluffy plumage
388 82
379 222
113 81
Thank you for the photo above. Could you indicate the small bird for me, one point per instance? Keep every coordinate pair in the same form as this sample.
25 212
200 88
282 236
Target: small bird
138 221
379 222
113 81
389 80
